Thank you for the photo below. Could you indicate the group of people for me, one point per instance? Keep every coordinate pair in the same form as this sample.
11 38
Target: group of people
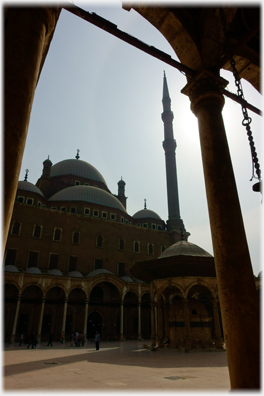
76 338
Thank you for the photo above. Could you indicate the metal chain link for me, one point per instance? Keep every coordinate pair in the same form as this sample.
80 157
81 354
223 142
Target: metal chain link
247 120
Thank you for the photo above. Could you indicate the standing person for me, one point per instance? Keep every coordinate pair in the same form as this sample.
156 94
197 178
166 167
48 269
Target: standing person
76 338
21 340
72 339
83 338
50 340
31 341
62 337
79 339
97 339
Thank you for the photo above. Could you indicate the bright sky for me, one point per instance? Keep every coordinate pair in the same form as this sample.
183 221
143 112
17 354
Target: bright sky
103 96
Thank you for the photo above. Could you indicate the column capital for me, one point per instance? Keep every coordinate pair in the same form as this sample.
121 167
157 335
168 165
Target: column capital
204 87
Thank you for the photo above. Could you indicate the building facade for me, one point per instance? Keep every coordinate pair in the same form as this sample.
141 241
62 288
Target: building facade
71 254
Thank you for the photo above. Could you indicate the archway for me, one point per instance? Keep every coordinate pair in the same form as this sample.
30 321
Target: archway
94 324
131 315
10 298
105 298
75 312
53 313
30 309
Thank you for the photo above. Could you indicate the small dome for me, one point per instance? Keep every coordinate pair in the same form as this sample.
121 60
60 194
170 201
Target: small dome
11 268
33 270
76 167
88 194
138 281
127 279
184 248
55 272
98 272
146 214
27 186
75 274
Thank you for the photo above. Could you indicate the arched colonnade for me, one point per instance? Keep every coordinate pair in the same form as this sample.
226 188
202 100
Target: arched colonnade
116 308
184 310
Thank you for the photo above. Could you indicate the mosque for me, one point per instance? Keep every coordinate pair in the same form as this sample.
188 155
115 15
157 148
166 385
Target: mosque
75 260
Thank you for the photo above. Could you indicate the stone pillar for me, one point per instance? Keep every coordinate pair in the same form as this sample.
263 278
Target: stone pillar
40 319
13 336
166 320
218 339
122 321
153 326
156 322
139 321
28 33
86 315
160 325
188 336
235 278
64 314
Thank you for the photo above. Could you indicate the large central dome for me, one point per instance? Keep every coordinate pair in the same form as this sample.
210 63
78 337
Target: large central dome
88 194
76 167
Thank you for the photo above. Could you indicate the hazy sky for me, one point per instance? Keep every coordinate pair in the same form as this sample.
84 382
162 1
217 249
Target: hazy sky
103 96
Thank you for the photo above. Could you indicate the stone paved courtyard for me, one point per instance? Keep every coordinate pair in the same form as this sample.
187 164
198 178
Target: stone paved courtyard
117 366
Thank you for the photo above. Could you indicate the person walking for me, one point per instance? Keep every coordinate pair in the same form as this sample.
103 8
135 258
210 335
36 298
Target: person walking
97 339
62 337
50 340
21 340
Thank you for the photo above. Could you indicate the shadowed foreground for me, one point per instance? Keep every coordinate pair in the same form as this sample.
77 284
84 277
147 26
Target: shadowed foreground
119 366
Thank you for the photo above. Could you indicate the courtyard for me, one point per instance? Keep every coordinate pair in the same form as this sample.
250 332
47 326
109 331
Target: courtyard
117 366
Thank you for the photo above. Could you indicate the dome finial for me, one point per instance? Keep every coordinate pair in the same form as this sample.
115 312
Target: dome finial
77 155
26 175
145 204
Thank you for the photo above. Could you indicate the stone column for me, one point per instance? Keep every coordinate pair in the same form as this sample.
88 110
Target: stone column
28 33
122 321
153 326
86 315
13 336
64 314
41 318
218 339
235 278
160 325
139 321
166 320
188 339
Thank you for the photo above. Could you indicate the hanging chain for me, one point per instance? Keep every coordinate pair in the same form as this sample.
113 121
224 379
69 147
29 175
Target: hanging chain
247 120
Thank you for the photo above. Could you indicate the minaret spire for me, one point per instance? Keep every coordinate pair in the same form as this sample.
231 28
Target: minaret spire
169 144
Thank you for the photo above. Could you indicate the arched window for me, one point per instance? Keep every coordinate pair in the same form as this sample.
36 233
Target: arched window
16 228
121 244
37 231
57 234
136 247
150 248
75 237
99 241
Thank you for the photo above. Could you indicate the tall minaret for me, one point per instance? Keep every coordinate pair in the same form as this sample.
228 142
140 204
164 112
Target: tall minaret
169 144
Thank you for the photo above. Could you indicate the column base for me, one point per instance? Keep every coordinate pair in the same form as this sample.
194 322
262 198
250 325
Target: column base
12 339
219 343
